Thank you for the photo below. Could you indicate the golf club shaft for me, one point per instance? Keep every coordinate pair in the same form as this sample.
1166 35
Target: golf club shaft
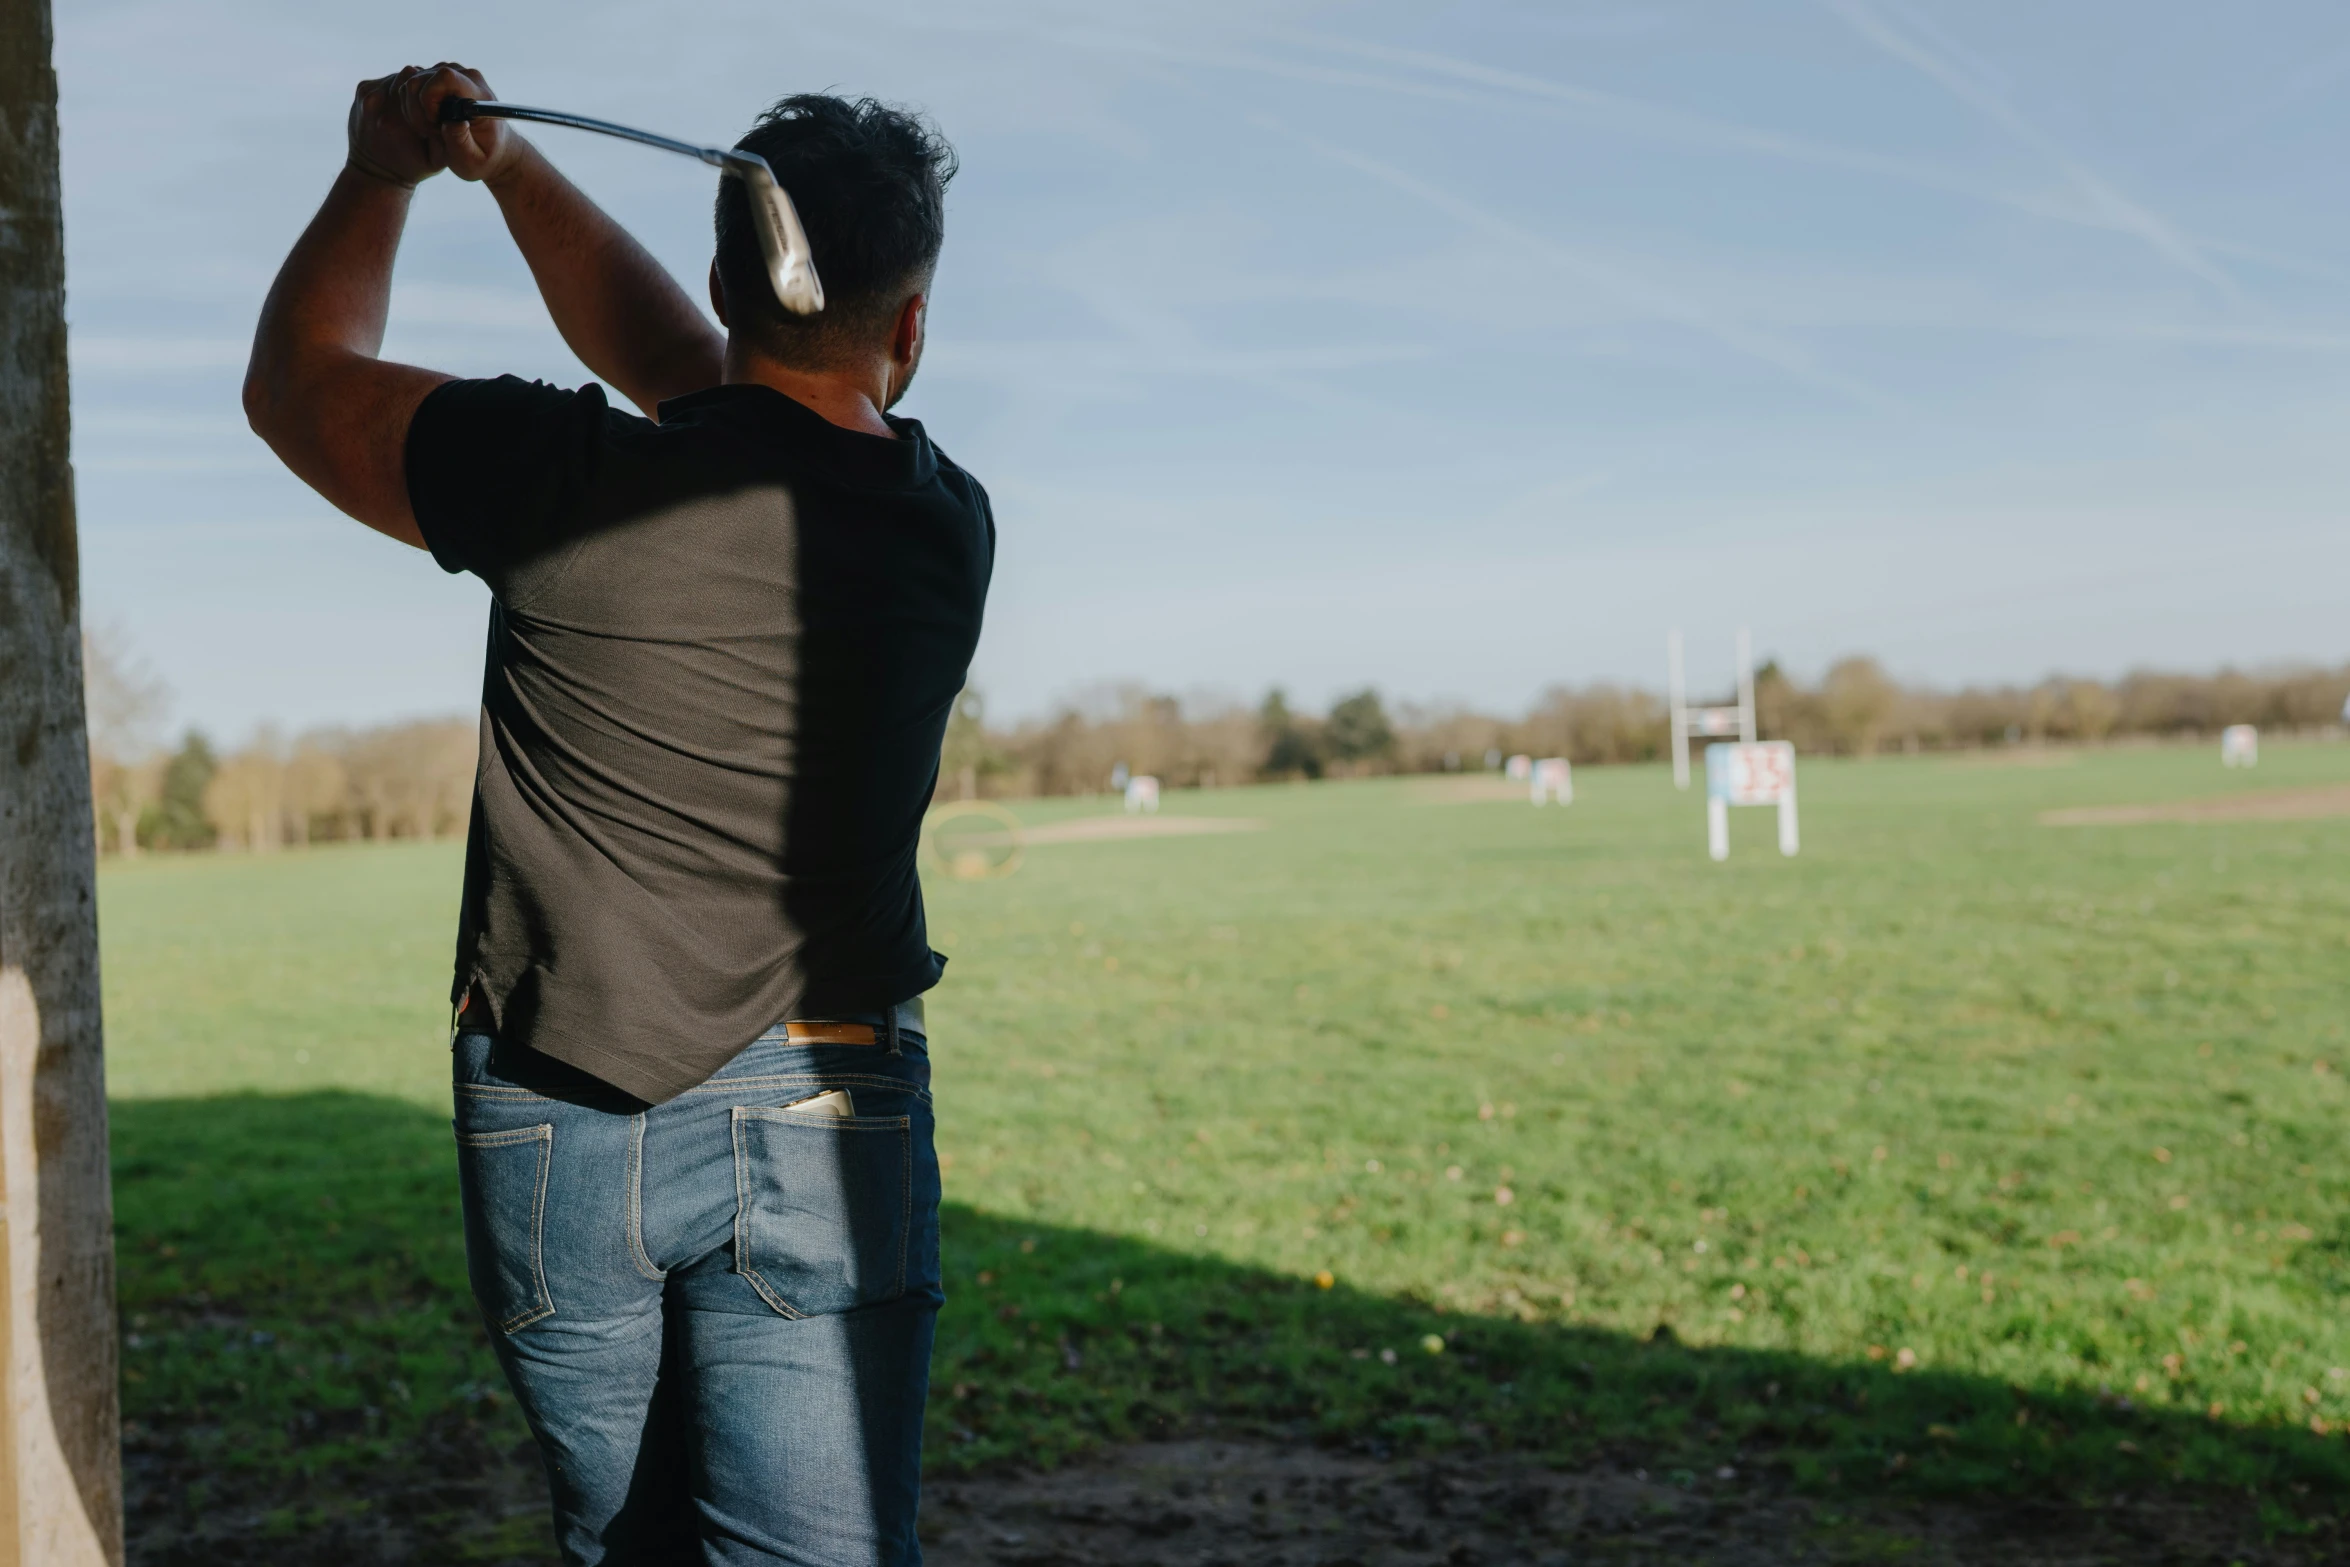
456 110
782 241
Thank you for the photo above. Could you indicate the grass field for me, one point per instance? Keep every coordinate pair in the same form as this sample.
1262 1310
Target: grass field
1960 1153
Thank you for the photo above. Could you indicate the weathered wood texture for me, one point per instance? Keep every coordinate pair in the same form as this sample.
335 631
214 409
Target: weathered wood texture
60 1458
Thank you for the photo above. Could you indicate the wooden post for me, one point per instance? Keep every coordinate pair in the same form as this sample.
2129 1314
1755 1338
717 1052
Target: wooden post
60 1449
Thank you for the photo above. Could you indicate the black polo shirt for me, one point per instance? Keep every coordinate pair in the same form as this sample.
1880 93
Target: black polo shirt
722 654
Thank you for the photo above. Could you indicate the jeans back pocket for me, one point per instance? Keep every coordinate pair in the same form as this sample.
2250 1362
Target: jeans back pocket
823 1208
502 1179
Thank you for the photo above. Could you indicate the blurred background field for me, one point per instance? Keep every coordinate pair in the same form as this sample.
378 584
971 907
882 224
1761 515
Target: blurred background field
1960 1152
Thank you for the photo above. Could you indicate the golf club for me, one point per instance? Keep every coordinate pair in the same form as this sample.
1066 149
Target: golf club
790 267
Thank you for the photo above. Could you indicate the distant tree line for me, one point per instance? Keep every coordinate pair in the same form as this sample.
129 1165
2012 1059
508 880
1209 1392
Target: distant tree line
415 780
1855 709
407 780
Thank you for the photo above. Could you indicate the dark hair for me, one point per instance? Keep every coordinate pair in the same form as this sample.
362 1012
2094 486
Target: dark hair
869 182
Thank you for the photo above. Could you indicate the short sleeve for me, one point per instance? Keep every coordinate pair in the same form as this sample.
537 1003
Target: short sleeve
498 470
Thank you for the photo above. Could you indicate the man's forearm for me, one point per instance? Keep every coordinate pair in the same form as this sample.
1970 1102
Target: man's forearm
314 389
619 309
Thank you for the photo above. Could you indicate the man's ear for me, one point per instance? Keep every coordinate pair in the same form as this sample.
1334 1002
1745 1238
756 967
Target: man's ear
905 344
717 296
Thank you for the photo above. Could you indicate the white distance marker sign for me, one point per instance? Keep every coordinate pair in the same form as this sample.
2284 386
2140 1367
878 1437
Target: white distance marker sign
1751 773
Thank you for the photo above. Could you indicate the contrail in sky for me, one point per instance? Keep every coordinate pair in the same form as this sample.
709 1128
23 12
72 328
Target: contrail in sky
1759 346
2094 203
2102 197
1663 122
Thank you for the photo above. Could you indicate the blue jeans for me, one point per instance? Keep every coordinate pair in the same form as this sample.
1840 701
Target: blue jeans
716 1312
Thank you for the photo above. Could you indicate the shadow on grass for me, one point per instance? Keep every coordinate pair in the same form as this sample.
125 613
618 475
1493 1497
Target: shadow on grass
305 1379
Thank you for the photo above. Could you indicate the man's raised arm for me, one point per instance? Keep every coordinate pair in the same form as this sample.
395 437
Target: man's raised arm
337 414
619 309
314 389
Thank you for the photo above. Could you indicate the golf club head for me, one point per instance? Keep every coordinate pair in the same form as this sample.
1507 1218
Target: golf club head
791 266
791 269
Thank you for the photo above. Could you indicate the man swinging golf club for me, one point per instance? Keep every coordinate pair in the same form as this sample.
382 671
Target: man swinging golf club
693 1120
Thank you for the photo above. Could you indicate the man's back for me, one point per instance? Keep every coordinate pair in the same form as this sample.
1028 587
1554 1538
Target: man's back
722 658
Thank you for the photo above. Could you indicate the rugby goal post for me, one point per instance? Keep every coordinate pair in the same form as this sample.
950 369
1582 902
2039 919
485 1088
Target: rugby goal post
1708 723
60 1451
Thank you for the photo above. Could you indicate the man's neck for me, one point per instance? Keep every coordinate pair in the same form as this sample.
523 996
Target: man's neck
842 397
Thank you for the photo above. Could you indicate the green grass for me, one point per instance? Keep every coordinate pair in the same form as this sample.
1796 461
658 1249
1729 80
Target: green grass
1958 1153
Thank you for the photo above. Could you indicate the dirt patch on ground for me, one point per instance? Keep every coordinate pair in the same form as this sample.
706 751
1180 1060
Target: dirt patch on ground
1230 1504
1101 829
1469 791
457 1495
2267 805
1258 1505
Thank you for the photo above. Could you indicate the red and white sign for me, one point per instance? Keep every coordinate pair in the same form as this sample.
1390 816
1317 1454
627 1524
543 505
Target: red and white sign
1753 773
1759 774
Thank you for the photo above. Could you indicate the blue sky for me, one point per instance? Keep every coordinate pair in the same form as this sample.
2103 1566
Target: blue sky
1458 349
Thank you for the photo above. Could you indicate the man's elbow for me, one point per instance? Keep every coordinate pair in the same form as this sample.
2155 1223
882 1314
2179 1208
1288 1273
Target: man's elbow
281 408
261 403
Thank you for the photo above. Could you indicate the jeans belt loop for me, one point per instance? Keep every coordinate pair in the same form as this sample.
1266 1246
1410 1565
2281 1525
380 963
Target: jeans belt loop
889 1016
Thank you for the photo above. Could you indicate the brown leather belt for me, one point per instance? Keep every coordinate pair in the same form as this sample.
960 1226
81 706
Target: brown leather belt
819 1033
841 1031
